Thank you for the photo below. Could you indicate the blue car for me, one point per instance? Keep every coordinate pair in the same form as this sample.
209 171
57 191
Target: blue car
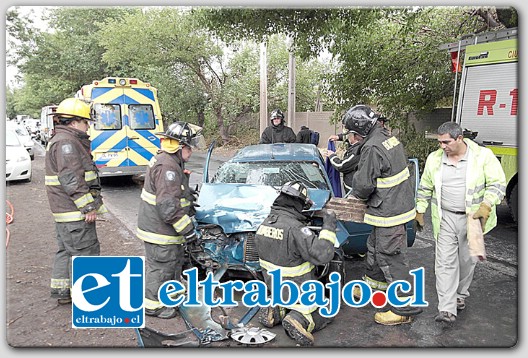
238 197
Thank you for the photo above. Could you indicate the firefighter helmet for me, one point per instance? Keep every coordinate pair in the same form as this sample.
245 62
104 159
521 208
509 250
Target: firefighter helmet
72 109
298 190
277 114
186 133
360 119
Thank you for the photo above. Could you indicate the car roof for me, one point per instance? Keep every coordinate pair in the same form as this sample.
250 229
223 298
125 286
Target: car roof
277 151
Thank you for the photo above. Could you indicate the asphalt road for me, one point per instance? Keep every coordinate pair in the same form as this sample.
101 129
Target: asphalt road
491 316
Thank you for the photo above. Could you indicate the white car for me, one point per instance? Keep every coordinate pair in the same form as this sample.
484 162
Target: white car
18 162
25 137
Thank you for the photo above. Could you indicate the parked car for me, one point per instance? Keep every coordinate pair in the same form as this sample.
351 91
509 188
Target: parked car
25 137
18 162
237 199
47 126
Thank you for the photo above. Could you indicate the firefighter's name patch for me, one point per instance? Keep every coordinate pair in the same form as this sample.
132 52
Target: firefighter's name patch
271 232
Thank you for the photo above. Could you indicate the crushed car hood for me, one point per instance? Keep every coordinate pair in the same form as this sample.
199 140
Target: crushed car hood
242 207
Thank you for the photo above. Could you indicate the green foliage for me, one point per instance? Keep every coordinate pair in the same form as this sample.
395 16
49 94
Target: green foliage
416 144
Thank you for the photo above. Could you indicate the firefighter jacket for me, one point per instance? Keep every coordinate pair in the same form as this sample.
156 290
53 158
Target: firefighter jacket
348 165
485 181
278 134
163 216
304 135
285 242
72 180
383 180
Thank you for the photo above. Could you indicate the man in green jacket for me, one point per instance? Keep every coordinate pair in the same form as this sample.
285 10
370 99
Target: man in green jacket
460 179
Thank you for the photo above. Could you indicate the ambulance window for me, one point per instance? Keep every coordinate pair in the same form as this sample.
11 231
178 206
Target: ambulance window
107 116
141 116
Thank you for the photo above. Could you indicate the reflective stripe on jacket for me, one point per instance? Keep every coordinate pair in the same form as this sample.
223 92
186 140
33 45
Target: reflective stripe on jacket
485 180
383 179
164 208
72 181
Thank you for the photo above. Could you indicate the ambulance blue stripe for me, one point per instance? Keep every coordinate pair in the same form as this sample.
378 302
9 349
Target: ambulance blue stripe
99 91
124 100
143 152
101 138
128 163
148 135
145 92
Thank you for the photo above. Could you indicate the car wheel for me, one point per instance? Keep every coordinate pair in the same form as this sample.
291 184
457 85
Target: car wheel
32 156
28 180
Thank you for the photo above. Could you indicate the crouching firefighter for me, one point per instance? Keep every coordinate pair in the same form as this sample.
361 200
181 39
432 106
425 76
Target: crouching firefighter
285 242
74 192
164 221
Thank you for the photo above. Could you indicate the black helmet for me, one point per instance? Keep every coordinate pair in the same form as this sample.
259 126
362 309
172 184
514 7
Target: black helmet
360 119
185 133
298 190
277 114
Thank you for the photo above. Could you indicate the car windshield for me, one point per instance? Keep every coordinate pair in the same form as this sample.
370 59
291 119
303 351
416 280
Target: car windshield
271 173
12 139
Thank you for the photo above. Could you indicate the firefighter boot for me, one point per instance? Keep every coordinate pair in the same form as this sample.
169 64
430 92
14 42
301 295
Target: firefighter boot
62 295
297 326
390 318
271 316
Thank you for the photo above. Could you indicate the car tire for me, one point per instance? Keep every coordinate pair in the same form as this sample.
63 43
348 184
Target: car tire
32 156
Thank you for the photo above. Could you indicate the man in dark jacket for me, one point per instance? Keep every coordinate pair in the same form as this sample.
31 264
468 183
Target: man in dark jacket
383 181
164 219
277 132
285 242
349 164
74 192
304 135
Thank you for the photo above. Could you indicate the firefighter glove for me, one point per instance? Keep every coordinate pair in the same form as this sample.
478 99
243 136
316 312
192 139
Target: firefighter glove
329 220
420 222
483 213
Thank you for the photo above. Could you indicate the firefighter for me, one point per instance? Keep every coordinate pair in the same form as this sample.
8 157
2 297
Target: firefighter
164 218
74 192
285 242
383 181
277 132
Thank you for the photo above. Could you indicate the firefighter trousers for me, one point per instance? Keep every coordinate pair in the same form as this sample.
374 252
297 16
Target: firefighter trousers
386 257
163 263
77 238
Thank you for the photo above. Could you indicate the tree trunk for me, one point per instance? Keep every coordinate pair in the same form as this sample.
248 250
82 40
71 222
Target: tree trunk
221 126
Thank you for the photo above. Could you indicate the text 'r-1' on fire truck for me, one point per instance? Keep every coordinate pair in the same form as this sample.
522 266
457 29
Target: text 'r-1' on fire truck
127 117
488 97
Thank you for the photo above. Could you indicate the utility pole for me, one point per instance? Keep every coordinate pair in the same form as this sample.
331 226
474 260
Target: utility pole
263 88
291 83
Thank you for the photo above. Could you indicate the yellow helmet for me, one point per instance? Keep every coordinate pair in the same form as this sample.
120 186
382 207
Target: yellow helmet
71 109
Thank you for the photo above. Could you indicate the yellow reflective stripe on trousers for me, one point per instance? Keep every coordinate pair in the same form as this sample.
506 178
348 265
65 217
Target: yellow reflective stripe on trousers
159 238
288 271
68 217
328 235
148 197
381 221
51 180
181 224
60 283
90 175
83 200
375 284
392 181
184 202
